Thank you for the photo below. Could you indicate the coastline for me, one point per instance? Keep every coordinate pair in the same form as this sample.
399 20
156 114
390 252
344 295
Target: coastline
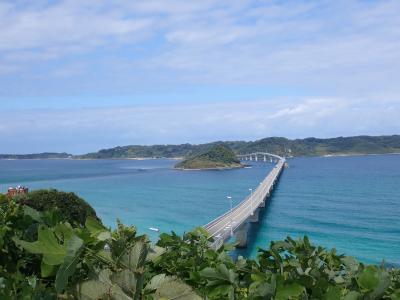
351 154
128 158
210 169
180 158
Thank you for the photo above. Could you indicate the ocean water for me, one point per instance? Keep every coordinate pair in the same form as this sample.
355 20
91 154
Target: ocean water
350 203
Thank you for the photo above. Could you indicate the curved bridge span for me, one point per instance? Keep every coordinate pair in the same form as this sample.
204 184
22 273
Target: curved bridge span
234 222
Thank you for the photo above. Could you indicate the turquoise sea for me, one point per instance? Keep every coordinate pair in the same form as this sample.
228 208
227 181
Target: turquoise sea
351 203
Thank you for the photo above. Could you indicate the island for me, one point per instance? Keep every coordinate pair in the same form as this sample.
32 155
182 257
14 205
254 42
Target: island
218 157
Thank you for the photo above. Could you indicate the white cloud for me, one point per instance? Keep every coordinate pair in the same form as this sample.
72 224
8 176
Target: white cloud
215 41
344 54
69 23
81 130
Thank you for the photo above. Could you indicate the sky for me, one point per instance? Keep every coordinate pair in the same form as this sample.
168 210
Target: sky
82 75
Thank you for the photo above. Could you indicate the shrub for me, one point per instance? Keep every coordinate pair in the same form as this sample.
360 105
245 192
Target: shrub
68 206
3 198
89 262
42 258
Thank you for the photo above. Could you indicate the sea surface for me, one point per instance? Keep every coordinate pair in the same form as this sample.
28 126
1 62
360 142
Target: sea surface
350 203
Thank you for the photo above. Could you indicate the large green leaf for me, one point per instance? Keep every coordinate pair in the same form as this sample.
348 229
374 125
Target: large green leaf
169 288
96 229
67 269
63 231
333 293
289 291
127 281
100 287
261 289
352 295
351 263
33 213
222 291
156 282
47 244
155 252
47 270
369 278
383 285
131 278
374 281
220 273
135 257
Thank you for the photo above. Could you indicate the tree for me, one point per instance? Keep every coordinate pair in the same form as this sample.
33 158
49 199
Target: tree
69 206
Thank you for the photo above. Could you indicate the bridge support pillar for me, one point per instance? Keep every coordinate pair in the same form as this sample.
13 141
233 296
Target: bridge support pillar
256 158
251 157
262 204
254 218
265 158
241 236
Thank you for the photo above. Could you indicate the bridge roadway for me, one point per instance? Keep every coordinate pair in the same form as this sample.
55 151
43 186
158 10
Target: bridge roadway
224 226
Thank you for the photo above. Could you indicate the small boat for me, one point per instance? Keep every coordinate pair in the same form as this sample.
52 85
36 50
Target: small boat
154 229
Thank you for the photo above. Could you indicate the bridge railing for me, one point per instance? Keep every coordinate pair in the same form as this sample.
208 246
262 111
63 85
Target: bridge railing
261 153
258 196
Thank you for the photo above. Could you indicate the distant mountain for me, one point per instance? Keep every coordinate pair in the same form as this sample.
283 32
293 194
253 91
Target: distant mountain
277 145
156 151
218 157
45 155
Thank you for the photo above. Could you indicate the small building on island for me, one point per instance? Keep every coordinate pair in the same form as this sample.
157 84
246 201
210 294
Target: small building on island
16 191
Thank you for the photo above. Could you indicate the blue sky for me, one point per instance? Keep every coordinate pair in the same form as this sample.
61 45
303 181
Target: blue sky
78 76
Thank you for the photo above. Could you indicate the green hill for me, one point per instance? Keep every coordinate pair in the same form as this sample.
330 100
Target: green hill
354 145
278 145
45 155
218 157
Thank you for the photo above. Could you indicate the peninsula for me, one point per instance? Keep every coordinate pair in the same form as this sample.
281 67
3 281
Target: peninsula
44 155
356 145
218 157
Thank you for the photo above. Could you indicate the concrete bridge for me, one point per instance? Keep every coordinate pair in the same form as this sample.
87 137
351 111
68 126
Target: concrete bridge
235 221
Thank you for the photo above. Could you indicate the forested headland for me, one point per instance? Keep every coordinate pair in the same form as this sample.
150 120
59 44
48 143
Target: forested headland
356 145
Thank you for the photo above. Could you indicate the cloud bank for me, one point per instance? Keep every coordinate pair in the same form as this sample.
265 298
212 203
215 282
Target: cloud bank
349 47
84 130
335 64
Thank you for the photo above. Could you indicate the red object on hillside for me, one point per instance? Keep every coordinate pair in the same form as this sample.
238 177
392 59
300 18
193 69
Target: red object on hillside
15 191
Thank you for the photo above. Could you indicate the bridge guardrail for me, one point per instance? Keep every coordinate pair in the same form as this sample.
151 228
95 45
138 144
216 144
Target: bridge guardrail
220 233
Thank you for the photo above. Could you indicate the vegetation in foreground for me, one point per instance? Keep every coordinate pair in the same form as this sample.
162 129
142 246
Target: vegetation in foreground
51 255
218 157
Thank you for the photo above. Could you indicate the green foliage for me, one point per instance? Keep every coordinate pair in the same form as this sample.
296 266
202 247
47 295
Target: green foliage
3 198
219 156
289 269
44 257
19 271
68 206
